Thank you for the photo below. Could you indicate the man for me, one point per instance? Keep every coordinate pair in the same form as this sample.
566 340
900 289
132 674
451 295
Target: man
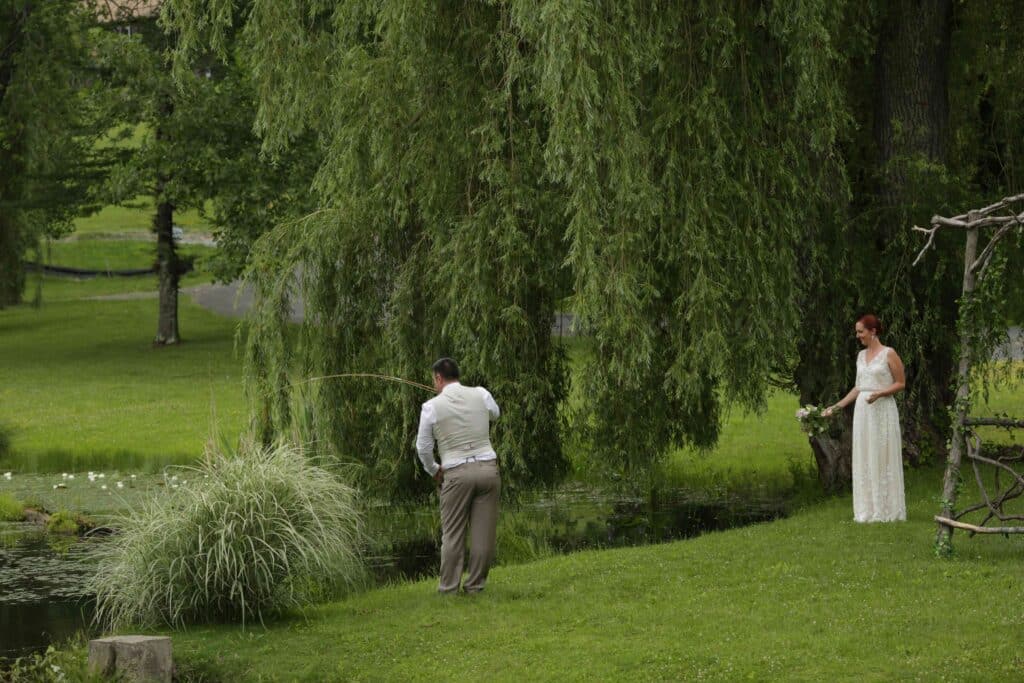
458 419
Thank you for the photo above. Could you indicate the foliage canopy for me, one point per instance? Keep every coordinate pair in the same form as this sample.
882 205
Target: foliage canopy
653 168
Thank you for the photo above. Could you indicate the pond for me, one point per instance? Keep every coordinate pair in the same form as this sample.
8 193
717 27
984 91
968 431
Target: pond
43 595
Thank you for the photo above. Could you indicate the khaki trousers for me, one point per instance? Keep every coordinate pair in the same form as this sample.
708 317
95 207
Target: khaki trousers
469 497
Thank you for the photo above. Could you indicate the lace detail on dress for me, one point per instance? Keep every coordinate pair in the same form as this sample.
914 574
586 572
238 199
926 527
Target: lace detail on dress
877 446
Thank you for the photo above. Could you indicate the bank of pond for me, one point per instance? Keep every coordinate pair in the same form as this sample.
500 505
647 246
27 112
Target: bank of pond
44 595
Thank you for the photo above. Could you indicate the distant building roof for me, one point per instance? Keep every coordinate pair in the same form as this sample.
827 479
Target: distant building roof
119 10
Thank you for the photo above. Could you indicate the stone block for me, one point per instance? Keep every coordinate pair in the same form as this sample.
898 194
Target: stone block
135 658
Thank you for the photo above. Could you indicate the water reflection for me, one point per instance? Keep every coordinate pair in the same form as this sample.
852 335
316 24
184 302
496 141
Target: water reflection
43 597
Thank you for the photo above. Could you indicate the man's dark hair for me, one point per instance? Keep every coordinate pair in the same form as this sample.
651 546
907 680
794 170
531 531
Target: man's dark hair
447 368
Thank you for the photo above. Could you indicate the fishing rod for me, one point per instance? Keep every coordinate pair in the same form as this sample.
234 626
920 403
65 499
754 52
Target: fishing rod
369 375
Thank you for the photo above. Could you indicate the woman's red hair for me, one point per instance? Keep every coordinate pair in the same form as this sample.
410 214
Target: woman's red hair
871 322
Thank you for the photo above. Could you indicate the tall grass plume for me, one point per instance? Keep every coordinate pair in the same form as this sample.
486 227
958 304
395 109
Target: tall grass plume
241 536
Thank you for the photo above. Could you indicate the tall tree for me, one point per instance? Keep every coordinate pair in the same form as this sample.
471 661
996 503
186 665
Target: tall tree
929 138
198 147
657 165
47 160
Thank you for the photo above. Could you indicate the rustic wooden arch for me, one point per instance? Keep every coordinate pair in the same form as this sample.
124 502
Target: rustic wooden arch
995 222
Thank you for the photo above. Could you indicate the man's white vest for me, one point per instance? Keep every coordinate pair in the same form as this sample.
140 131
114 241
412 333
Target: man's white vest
463 423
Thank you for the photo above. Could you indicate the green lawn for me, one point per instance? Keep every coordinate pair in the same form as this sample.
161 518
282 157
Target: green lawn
136 217
83 387
103 254
813 597
765 452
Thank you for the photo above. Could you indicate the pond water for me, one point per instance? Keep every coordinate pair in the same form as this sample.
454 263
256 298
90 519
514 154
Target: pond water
43 595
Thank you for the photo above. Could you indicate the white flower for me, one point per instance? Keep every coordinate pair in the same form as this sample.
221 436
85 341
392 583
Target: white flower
174 478
7 475
104 487
101 475
91 473
133 476
71 476
120 484
54 487
64 475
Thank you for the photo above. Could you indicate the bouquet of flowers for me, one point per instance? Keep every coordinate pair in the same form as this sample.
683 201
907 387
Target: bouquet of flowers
812 419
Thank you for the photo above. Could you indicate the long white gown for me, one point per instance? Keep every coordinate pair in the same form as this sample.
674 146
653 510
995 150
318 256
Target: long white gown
877 446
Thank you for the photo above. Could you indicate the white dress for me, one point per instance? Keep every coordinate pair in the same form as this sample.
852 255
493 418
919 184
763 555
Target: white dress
877 447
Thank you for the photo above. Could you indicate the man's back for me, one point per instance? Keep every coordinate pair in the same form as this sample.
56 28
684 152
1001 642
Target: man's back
462 420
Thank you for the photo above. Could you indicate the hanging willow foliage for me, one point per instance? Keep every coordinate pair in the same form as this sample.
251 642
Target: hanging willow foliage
653 166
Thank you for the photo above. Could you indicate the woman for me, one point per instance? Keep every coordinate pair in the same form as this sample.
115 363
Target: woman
877 447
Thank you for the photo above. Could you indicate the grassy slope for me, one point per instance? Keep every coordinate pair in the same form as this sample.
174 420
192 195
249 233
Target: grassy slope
134 218
84 388
812 597
100 254
753 451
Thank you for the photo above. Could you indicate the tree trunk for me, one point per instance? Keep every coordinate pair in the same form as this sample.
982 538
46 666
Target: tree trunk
835 465
912 74
12 271
169 272
911 124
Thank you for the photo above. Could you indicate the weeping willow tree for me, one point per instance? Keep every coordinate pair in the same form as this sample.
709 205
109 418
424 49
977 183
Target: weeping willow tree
655 167
934 90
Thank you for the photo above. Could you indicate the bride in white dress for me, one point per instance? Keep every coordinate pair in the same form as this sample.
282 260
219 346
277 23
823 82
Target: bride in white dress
877 446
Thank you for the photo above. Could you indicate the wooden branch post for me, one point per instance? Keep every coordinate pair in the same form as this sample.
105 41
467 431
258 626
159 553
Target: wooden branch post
975 269
943 539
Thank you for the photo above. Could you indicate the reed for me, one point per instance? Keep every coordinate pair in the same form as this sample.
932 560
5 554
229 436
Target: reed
239 537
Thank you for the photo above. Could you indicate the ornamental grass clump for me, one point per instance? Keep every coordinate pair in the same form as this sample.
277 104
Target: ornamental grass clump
250 534
10 509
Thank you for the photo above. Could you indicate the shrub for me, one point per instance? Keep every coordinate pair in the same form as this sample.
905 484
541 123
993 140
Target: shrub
523 537
62 522
54 666
243 535
11 510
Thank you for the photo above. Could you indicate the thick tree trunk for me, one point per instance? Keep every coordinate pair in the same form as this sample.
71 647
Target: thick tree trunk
12 271
912 73
169 272
835 466
911 123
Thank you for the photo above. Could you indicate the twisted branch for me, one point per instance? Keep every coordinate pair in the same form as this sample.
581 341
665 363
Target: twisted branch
979 218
